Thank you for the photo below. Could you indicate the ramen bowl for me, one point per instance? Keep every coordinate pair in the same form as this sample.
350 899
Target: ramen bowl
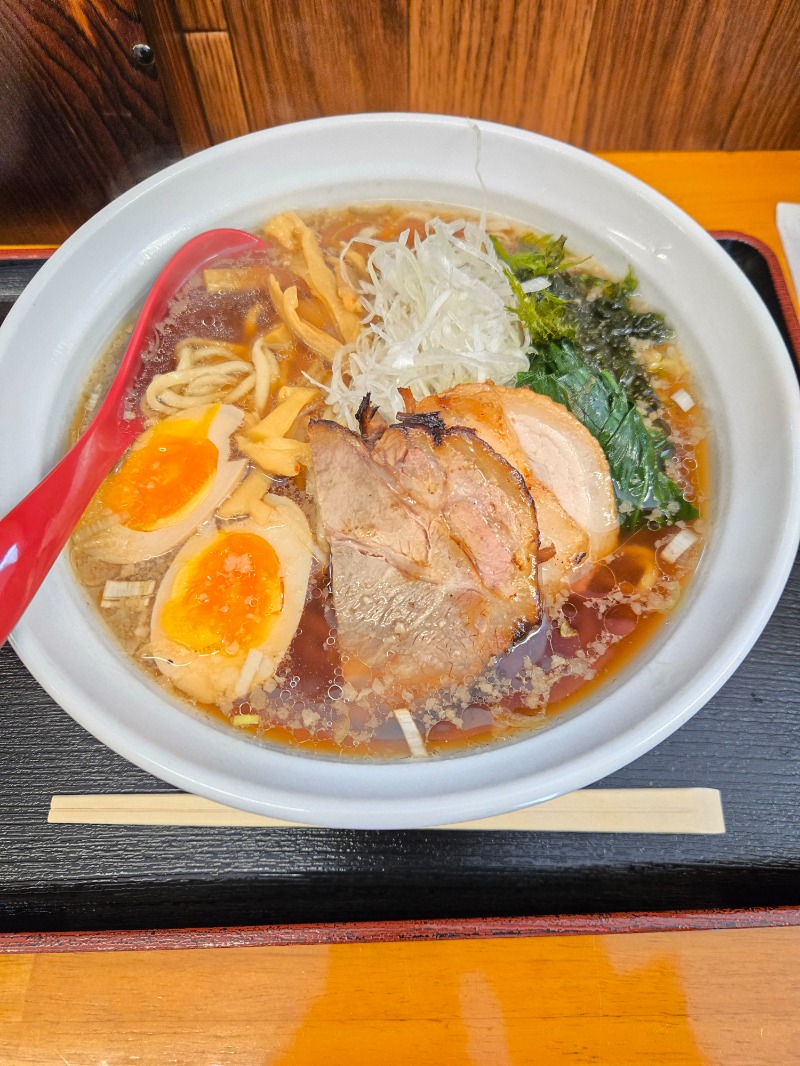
80 299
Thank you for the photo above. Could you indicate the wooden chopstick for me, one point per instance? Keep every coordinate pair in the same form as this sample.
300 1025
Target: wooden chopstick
596 810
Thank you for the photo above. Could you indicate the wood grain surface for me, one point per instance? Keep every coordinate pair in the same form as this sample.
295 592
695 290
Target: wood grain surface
319 57
211 57
493 59
768 113
200 14
603 74
177 74
79 121
669 74
671 999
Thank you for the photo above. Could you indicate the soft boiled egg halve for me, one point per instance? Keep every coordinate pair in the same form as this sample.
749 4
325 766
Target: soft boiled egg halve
230 603
170 480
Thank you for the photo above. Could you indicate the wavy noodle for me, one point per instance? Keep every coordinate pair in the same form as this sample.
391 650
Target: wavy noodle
208 371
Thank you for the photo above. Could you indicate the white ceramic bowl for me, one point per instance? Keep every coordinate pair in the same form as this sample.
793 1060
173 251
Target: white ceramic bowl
67 315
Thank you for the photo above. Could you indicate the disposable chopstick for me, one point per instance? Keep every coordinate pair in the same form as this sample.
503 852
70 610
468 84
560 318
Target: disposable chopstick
597 810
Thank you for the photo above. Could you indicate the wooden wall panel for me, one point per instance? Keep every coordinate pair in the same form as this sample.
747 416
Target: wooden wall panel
499 59
79 122
177 76
604 74
319 57
768 113
200 14
667 74
218 84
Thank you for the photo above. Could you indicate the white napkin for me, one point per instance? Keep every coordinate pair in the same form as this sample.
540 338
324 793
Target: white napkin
787 217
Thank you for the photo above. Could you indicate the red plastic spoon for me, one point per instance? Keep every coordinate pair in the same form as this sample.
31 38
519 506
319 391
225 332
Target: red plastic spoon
33 534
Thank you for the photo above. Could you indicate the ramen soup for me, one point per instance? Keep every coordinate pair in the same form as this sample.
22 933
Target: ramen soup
408 483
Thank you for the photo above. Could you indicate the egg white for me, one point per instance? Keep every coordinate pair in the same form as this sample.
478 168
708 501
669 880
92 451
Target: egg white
119 544
212 678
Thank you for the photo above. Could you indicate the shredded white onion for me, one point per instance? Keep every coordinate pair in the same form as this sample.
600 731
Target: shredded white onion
679 544
118 590
437 316
248 672
683 399
133 594
414 739
535 285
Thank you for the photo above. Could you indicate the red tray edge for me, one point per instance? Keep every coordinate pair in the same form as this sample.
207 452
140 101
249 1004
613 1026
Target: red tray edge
394 932
779 280
33 251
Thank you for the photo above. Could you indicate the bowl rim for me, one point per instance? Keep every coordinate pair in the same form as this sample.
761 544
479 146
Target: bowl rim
475 800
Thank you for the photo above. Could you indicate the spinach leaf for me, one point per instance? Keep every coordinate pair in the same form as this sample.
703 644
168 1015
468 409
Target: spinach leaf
636 453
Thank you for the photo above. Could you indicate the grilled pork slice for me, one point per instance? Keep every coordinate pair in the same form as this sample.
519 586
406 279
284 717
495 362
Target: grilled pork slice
566 457
564 543
433 552
551 449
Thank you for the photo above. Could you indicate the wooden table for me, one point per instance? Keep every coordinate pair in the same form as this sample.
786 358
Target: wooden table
727 997
700 998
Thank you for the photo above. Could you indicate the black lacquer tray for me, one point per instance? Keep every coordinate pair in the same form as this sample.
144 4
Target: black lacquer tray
745 742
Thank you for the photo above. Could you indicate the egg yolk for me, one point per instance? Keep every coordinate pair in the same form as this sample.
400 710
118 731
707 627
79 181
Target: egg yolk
163 478
225 598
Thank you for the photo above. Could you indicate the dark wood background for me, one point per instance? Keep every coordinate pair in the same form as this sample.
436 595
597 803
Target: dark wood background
81 120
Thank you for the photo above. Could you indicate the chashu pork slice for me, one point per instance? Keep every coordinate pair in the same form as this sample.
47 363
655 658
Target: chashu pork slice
564 544
433 541
548 445
566 457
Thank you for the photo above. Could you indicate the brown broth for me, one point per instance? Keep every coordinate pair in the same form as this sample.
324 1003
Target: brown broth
591 633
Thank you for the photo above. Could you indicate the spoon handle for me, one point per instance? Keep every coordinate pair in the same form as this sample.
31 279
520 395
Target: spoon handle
33 534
